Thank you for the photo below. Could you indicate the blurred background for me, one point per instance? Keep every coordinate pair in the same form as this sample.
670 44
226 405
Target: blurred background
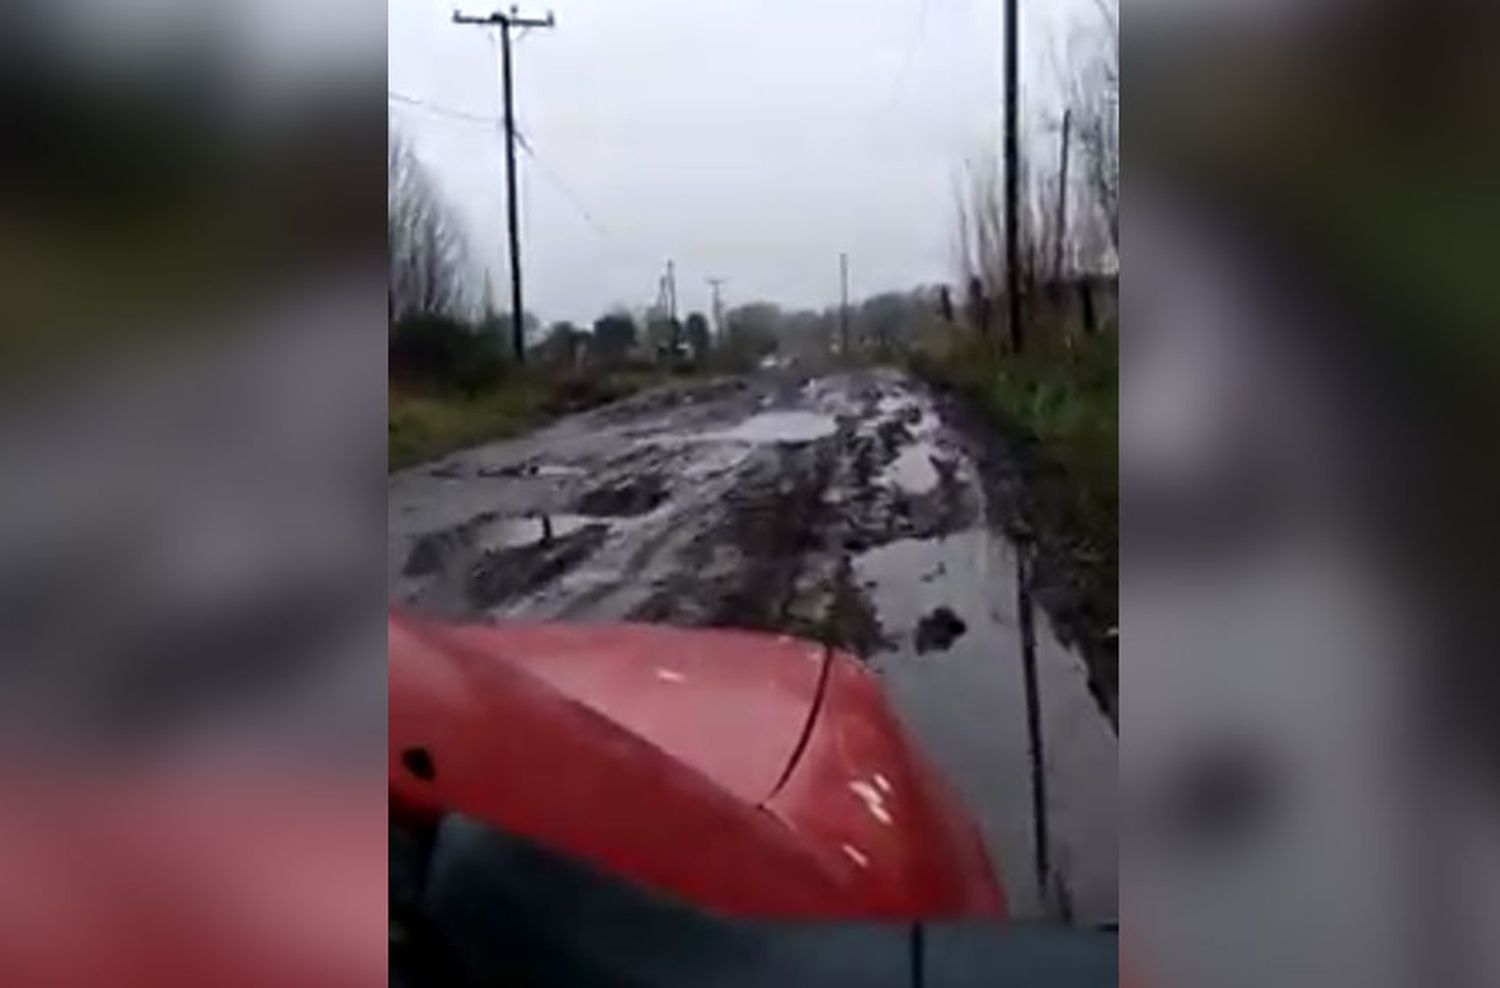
192 379
1308 495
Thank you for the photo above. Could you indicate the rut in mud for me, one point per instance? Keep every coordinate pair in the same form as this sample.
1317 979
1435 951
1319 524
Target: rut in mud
842 509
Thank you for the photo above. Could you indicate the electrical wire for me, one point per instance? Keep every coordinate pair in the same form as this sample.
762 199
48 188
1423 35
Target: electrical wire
565 189
561 185
442 111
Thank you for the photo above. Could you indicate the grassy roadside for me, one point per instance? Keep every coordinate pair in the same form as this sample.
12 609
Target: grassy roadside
1058 411
424 423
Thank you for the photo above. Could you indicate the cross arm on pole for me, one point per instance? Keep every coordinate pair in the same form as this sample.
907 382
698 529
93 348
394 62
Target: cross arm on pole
501 19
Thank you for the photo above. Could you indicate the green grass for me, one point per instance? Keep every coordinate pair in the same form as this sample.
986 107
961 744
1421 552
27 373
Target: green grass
1069 403
1065 401
424 424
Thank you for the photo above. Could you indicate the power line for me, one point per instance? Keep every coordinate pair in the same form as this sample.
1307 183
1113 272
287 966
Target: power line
562 185
442 111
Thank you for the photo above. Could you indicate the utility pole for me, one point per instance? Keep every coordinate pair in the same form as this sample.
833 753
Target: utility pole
844 306
1062 197
505 22
671 285
717 285
1012 174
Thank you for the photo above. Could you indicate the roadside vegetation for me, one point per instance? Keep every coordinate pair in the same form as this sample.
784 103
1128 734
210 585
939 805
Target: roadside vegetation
1057 412
454 385
1050 385
1065 404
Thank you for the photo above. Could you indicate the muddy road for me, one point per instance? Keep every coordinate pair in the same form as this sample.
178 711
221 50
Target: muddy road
841 508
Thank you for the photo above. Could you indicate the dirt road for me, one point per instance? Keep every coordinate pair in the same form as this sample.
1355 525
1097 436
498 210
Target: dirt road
840 508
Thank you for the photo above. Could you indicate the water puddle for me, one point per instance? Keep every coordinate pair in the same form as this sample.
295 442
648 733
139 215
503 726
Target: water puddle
913 470
429 553
511 532
521 470
777 427
961 693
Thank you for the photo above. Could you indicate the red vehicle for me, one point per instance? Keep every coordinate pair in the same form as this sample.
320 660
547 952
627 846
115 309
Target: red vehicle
628 804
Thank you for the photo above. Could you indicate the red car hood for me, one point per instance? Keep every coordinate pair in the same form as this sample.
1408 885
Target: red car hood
747 773
731 705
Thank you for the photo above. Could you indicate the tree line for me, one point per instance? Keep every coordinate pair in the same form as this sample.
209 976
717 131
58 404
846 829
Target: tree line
444 331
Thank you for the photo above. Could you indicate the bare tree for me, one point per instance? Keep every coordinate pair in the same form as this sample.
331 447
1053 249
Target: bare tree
981 233
1095 99
429 257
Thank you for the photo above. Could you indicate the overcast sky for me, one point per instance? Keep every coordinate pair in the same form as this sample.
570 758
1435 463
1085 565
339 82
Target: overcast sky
747 139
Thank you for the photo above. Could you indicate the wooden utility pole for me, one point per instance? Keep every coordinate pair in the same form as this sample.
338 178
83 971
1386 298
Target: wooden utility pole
671 286
1013 175
717 285
844 306
505 22
1060 249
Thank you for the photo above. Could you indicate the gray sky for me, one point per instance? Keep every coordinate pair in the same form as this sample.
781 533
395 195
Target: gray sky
748 139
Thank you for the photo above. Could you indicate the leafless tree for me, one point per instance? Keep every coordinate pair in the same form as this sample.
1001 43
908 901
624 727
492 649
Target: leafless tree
981 233
429 257
1095 99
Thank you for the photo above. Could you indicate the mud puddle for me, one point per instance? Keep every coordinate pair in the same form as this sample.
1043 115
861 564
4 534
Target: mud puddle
776 427
915 470
628 497
952 668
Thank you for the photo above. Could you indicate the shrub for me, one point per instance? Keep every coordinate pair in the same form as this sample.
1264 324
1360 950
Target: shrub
441 352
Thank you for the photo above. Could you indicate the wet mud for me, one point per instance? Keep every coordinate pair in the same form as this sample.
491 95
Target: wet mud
846 509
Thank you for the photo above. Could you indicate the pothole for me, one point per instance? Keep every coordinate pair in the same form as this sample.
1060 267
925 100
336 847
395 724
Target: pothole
624 499
505 573
430 551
